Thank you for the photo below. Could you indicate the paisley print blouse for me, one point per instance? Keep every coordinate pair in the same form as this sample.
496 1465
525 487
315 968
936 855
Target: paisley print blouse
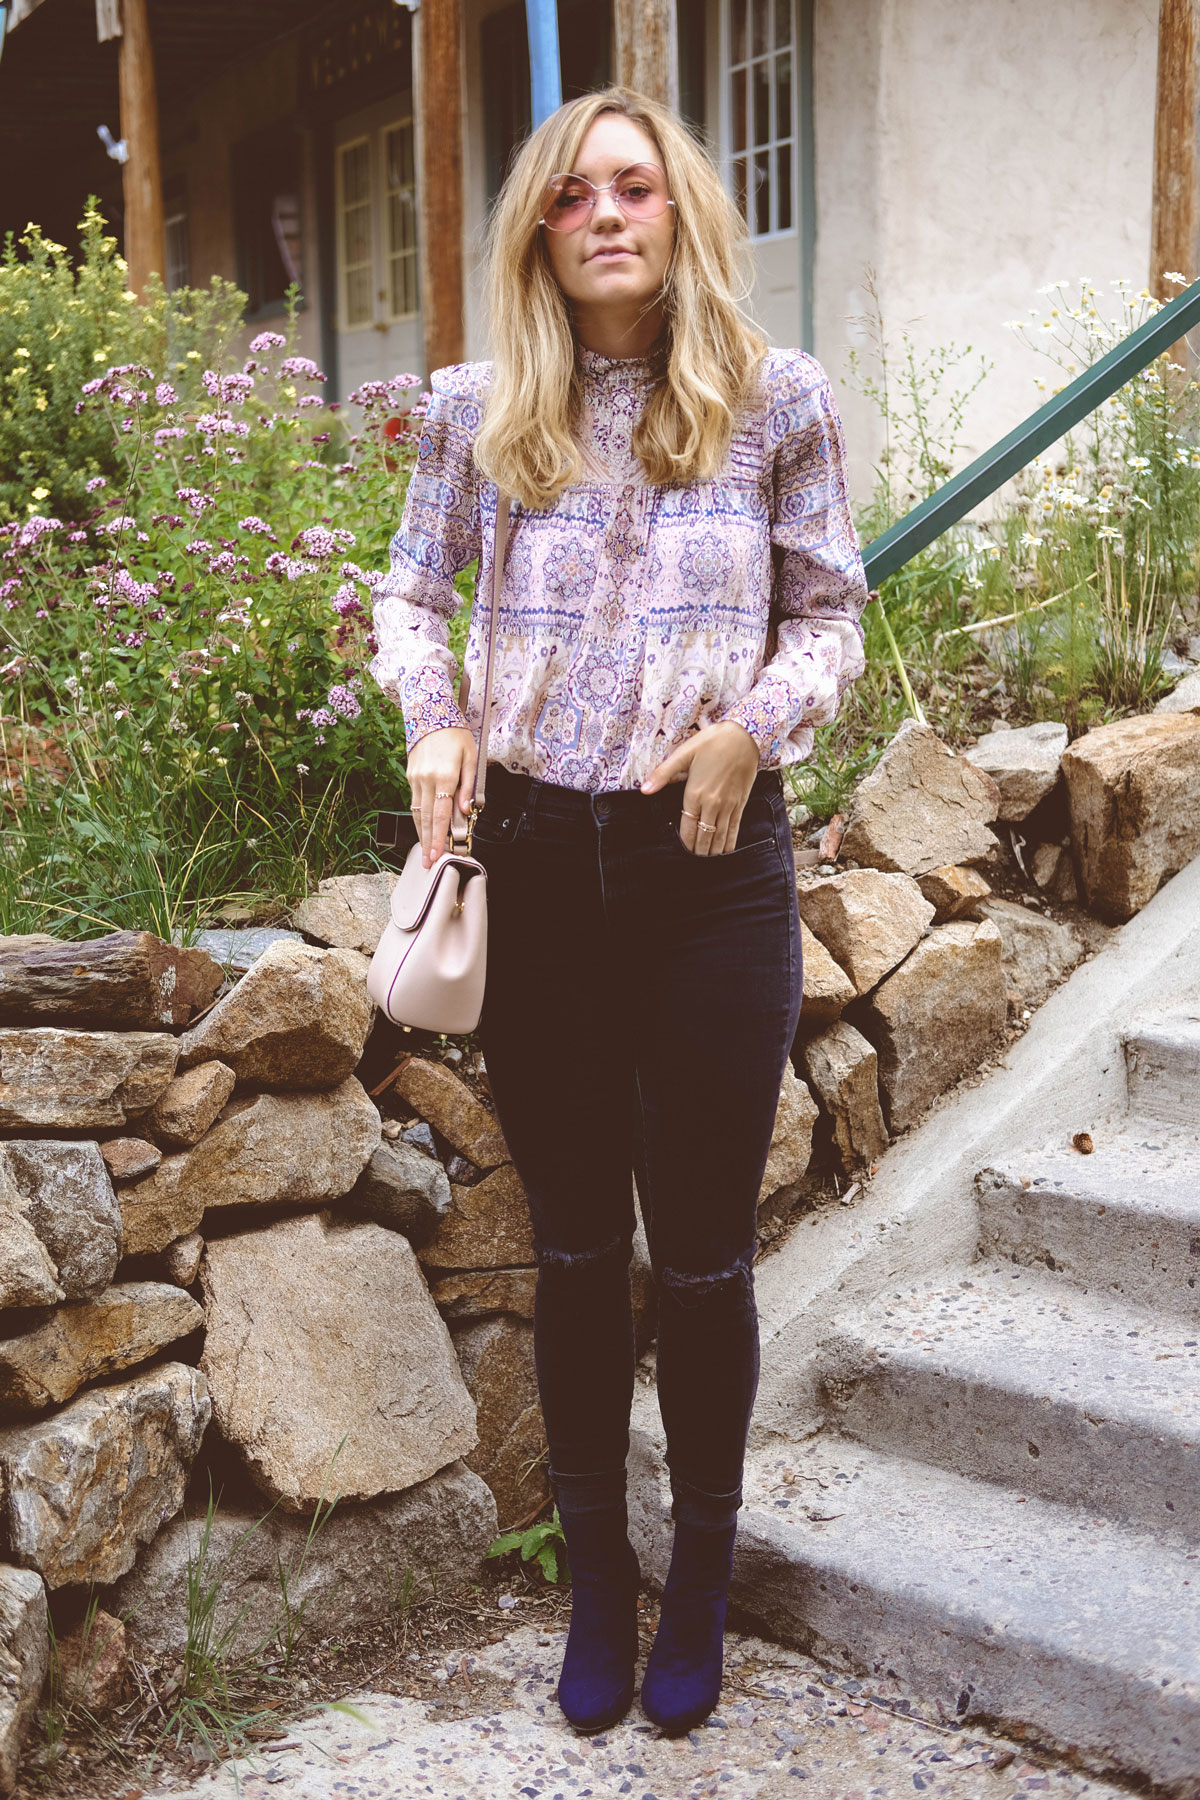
630 614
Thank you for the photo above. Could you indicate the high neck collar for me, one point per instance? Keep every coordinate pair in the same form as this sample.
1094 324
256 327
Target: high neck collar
631 368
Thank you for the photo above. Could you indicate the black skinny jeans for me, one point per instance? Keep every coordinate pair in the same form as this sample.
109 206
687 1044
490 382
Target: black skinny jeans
640 1008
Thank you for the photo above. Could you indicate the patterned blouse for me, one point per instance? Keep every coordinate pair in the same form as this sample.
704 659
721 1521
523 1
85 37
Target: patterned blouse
632 615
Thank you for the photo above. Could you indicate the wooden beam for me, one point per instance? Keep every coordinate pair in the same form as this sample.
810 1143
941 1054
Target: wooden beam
647 48
1175 219
145 233
438 55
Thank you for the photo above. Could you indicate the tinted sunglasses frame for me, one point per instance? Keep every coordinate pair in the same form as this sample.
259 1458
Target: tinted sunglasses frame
609 187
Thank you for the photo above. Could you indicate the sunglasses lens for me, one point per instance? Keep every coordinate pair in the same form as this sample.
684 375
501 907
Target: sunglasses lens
566 203
641 191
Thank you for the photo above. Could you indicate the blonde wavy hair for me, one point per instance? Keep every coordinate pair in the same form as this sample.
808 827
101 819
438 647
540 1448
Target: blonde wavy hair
525 443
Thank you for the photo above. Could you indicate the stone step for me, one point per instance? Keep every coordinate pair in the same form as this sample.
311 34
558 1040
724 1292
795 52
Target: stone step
1011 1377
999 1606
1162 1065
1124 1221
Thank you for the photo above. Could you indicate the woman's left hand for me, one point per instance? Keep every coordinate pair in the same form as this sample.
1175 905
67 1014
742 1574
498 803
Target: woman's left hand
719 765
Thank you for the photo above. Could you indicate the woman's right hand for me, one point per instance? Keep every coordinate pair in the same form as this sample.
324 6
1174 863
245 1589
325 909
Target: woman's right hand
441 775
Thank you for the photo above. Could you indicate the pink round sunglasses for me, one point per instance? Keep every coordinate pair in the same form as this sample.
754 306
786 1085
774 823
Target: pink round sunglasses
640 190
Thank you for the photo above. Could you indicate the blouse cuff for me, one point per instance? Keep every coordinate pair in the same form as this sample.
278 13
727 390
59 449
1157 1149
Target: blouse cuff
427 705
768 713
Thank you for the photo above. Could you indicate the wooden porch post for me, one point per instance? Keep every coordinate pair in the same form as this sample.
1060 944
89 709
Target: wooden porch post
1175 219
440 179
648 48
145 233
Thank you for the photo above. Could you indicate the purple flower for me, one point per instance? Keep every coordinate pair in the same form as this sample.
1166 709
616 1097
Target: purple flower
310 400
343 701
194 500
346 602
165 394
266 340
36 528
301 368
256 527
97 481
165 432
224 564
198 547
119 524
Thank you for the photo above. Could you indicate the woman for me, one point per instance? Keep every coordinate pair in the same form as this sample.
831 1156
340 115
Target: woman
680 608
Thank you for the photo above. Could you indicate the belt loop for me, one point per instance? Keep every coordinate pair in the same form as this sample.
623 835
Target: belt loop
529 806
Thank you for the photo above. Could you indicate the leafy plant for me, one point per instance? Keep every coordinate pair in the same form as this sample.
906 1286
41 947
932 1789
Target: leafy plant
543 1544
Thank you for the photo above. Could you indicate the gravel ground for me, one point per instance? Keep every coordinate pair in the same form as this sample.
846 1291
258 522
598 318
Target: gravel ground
785 1727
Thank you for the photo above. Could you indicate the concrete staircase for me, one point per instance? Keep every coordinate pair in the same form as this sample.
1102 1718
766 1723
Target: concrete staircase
1001 1504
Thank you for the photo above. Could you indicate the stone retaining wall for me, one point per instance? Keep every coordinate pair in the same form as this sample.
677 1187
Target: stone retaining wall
253 1234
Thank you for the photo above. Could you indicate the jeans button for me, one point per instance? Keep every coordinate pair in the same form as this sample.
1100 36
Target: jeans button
603 808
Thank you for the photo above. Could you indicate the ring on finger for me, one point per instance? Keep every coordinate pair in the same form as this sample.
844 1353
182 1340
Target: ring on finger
701 826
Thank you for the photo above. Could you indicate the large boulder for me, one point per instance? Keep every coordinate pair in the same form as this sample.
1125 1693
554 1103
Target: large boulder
921 807
936 1017
348 912
358 1573
85 1339
828 990
298 1018
496 1357
61 1080
1133 788
1023 763
486 1226
189 1105
868 921
447 1103
264 1150
1037 951
84 1487
331 1371
403 1188
842 1070
24 1662
791 1137
127 981
60 1224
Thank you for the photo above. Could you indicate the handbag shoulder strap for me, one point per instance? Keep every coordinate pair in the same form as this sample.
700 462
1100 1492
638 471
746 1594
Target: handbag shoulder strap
499 547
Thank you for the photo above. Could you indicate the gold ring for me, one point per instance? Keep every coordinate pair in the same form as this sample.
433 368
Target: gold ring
701 826
686 813
445 796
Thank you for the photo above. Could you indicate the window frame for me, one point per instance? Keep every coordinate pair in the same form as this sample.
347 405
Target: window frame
343 263
386 191
777 141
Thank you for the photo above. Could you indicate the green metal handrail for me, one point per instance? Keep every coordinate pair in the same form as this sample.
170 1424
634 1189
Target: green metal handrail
894 547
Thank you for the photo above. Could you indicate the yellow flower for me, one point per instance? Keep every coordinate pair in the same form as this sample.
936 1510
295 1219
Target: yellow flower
40 403
41 493
21 352
99 355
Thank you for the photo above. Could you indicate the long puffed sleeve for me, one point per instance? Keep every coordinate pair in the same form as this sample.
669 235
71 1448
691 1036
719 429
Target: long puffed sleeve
438 537
815 641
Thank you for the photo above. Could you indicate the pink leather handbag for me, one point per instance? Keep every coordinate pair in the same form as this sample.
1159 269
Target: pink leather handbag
429 968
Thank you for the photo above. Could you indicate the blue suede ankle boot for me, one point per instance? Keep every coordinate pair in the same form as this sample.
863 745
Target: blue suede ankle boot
595 1688
682 1683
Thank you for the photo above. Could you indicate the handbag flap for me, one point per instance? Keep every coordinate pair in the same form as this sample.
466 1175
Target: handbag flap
414 891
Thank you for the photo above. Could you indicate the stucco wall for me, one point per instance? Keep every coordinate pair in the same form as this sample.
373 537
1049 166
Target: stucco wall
970 152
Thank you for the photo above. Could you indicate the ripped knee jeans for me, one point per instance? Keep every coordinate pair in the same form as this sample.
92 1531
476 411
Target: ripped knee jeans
640 1009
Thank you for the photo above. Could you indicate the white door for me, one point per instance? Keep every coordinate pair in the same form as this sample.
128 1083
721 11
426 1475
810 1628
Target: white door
378 317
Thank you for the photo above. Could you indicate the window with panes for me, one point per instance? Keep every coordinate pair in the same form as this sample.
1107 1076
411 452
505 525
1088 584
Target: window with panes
761 111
